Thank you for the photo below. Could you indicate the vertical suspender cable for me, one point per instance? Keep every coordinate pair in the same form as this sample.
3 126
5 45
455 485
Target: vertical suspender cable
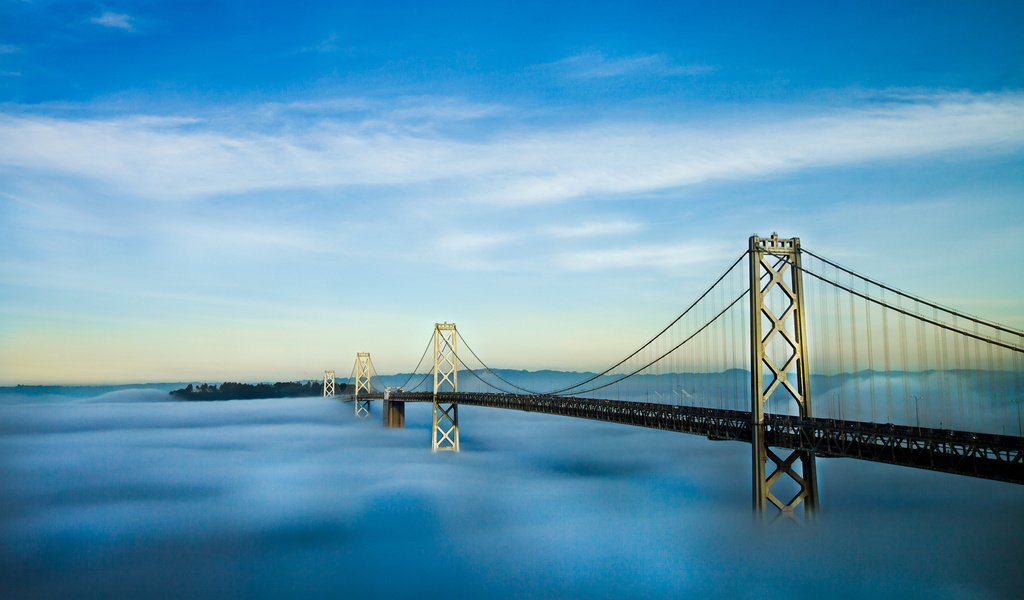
886 362
904 360
992 393
940 337
840 347
870 355
924 366
959 379
979 384
855 368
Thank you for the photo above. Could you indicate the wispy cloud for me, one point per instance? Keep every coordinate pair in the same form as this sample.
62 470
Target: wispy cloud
595 65
665 256
417 112
489 250
115 20
177 158
248 235
592 229
8 49
430 110
474 242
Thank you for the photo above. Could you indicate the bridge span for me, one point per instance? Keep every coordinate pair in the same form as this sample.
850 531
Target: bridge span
989 456
835 365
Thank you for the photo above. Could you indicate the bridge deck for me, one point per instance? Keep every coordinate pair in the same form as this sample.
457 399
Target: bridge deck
988 456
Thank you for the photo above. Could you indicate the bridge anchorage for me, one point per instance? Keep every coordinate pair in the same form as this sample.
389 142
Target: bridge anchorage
445 428
361 378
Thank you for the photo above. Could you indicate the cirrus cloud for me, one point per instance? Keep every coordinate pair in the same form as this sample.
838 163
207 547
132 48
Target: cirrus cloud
191 158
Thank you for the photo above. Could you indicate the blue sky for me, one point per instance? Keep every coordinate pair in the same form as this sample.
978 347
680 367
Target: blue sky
234 191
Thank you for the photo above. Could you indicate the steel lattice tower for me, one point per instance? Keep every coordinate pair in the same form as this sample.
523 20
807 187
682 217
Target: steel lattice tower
328 383
362 370
778 305
445 430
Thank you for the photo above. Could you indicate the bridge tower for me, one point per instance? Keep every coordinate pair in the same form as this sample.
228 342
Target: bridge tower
328 383
778 306
445 430
361 379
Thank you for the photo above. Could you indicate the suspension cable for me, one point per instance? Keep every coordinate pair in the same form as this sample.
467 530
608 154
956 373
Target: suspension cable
935 322
650 341
677 346
490 385
416 368
472 372
490 370
418 383
945 309
373 370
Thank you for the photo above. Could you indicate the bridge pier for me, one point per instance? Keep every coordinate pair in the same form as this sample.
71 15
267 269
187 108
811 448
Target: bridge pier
393 413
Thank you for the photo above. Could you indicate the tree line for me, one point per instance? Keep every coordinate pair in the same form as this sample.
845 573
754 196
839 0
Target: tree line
230 390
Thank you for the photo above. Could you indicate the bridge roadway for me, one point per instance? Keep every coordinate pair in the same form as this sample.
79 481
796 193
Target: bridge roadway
989 456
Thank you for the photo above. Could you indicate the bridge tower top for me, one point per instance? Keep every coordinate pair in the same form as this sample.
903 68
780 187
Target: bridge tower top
775 245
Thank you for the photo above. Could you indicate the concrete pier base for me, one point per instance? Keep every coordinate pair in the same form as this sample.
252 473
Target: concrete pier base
394 414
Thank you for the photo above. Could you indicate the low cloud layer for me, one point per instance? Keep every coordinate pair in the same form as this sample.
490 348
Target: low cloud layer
296 497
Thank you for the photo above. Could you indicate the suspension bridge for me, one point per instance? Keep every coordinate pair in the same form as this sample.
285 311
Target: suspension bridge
788 351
